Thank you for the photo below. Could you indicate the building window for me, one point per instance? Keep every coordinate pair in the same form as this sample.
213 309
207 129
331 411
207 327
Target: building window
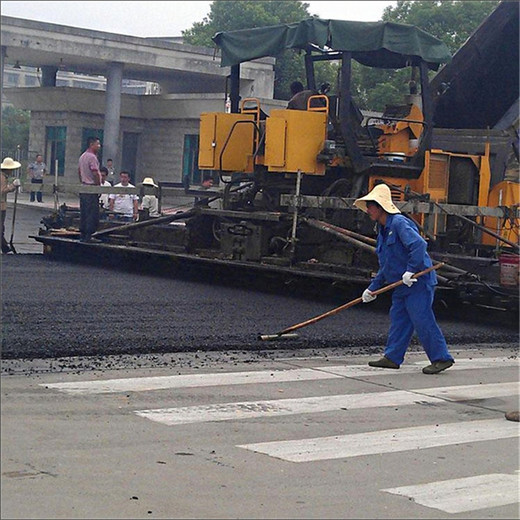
11 79
92 132
30 81
87 84
191 175
55 141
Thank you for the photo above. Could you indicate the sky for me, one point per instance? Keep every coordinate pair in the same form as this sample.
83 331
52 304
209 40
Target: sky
161 19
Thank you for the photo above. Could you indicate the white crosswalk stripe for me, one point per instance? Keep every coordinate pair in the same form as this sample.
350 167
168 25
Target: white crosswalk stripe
140 384
459 495
250 409
386 441
462 495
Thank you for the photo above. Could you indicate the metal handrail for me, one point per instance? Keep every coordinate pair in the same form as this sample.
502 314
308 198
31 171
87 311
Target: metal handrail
227 141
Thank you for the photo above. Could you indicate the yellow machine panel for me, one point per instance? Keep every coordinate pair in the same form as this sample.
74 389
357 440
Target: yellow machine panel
294 138
435 180
402 136
505 193
275 142
233 133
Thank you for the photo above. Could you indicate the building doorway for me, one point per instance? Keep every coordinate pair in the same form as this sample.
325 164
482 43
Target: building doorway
129 154
55 144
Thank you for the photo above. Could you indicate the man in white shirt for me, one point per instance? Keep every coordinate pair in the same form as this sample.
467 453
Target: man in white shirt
124 205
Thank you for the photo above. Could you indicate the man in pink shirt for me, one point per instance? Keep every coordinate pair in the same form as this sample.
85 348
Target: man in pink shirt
88 171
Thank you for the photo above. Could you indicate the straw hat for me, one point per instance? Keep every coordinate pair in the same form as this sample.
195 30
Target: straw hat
9 164
148 181
380 194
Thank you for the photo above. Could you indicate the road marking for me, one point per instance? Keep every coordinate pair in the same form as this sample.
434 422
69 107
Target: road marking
386 441
461 495
141 384
278 407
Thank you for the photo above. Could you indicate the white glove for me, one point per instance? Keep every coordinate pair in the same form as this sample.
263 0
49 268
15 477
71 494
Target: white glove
367 296
16 182
408 280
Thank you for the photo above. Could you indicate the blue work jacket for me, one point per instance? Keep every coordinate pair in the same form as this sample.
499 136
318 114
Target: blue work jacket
401 248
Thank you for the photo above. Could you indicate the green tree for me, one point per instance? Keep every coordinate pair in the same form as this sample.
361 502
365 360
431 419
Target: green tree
15 130
232 15
227 15
452 21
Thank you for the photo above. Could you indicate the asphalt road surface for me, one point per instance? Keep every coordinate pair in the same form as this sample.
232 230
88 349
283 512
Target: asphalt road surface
319 437
26 223
55 309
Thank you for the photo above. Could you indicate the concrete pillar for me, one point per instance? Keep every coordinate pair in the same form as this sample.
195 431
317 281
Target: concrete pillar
49 76
112 112
234 89
2 63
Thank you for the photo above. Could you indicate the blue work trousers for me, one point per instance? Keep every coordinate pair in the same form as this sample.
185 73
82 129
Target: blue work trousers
412 310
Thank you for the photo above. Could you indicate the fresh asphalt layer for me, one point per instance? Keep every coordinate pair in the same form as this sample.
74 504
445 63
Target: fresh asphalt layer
55 310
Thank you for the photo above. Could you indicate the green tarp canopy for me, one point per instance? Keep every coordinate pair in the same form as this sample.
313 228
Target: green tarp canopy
375 44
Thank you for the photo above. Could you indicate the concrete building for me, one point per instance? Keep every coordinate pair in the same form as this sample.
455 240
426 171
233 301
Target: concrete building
152 134
18 76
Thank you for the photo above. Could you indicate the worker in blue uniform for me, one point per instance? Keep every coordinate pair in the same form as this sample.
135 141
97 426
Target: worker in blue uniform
402 252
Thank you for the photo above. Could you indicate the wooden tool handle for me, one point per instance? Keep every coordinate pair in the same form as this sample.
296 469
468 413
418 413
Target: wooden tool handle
356 301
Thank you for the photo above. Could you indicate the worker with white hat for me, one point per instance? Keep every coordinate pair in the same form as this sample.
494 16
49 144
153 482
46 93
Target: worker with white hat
150 202
402 252
7 167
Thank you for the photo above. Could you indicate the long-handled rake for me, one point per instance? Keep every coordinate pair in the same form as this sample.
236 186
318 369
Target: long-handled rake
11 245
286 333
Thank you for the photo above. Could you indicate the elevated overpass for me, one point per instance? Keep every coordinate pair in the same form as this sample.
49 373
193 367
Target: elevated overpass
178 68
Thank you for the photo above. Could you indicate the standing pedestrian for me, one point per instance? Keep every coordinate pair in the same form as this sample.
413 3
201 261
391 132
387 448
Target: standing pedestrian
124 205
36 171
150 203
88 171
207 182
103 198
402 252
111 177
7 166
